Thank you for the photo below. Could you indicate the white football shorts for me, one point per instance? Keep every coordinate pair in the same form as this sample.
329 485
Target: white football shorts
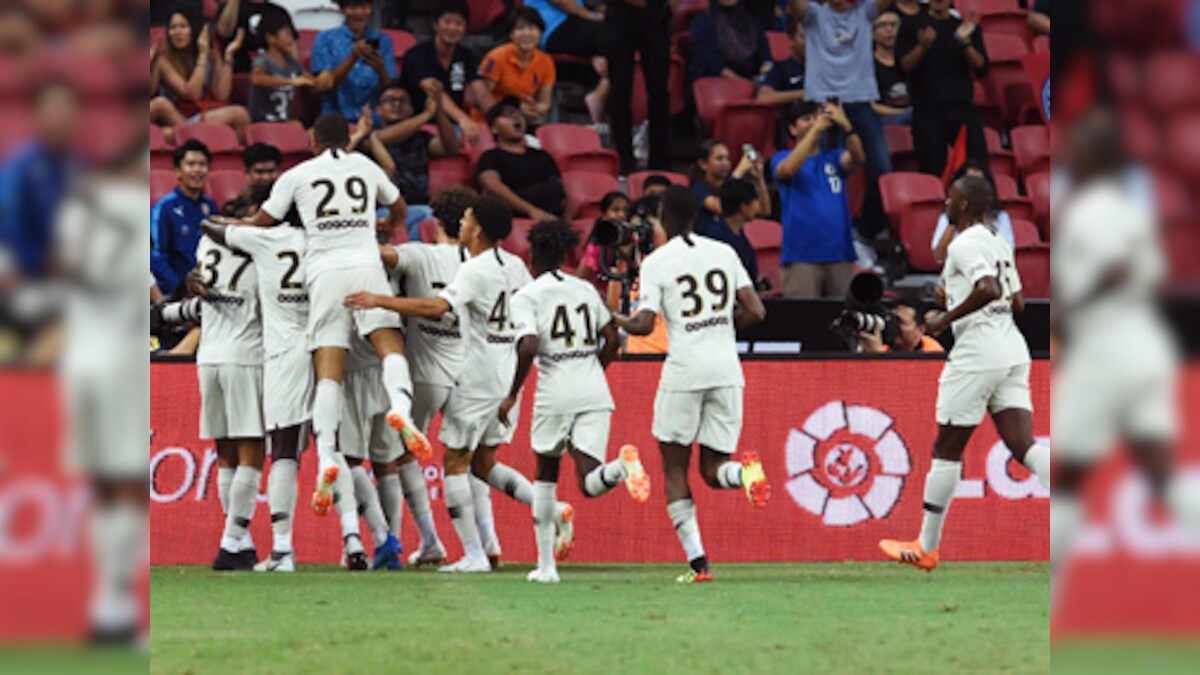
468 423
230 401
965 397
710 417
330 322
586 432
288 388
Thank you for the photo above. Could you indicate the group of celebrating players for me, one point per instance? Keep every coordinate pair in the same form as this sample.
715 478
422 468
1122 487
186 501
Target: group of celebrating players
301 312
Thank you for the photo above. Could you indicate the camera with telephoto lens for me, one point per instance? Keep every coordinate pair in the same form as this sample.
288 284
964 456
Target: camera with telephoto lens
865 312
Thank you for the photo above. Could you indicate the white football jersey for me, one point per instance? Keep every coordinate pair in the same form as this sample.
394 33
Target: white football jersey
987 339
231 328
336 194
434 348
278 254
692 282
480 295
566 314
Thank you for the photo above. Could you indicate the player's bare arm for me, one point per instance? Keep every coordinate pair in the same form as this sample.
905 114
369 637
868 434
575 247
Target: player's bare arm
750 309
527 349
986 291
612 344
388 256
641 324
424 308
214 230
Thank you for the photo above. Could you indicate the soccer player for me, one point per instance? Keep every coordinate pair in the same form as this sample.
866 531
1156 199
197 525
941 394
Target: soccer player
479 296
336 193
704 294
563 322
987 370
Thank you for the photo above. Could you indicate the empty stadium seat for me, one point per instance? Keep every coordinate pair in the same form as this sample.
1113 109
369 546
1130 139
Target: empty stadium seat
918 222
1006 81
1006 187
1141 134
1033 264
585 190
225 185
750 123
780 44
900 146
1000 159
982 7
898 190
1012 22
1012 202
220 139
989 111
161 183
304 45
577 148
92 76
291 140
428 229
713 93
161 154
1182 142
1041 44
399 235
517 241
1180 242
484 13
402 41
1172 81
637 181
1025 234
1037 187
1031 146
1171 198
766 236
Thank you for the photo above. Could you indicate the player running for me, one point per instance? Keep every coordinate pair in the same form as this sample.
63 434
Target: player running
704 295
987 370
563 322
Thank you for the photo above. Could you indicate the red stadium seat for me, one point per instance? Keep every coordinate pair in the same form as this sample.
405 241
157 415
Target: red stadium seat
225 185
989 111
92 76
684 12
1182 142
1041 44
1006 81
1033 264
1014 23
918 222
713 93
766 236
1000 159
781 45
517 241
161 183
1180 242
402 41
898 190
161 154
447 172
1125 76
291 140
982 7
585 190
637 181
1171 198
900 145
676 92
1037 187
1031 145
484 13
304 45
577 148
1025 234
1012 202
1006 187
741 123
399 234
1141 134
1172 81
220 139
428 229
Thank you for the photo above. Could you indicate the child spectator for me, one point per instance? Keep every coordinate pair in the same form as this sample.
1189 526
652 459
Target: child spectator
276 74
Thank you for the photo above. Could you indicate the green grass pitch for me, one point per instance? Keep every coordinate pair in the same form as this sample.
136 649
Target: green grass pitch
776 618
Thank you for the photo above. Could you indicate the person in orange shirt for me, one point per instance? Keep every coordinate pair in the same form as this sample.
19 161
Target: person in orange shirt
519 69
910 338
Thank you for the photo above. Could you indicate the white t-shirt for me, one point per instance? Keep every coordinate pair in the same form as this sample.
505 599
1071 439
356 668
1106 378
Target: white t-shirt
1003 226
566 314
434 348
278 254
692 282
336 196
480 294
231 327
987 339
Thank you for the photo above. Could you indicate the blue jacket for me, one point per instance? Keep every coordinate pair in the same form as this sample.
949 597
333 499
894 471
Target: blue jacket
32 185
174 233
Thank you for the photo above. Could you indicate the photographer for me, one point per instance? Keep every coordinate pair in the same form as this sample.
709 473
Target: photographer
904 335
359 61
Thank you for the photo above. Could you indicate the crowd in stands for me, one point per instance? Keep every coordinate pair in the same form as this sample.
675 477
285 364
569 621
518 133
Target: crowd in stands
857 98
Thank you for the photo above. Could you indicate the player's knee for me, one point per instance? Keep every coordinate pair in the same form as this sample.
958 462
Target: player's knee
457 462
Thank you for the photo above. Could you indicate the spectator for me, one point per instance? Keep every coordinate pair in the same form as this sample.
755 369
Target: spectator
818 242
1039 17
357 58
910 335
262 162
739 205
636 27
403 148
573 29
277 73
909 10
655 185
840 68
728 42
941 52
34 181
250 17
193 80
894 106
711 171
175 219
526 178
520 70
784 82
444 59
1000 220
614 206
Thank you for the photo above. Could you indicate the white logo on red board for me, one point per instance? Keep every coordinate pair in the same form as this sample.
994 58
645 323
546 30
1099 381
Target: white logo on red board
847 464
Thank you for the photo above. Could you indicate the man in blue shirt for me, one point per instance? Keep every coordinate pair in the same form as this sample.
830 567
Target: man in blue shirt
739 205
175 219
359 61
818 242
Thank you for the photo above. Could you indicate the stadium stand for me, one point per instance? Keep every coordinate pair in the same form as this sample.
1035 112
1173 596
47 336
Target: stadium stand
220 139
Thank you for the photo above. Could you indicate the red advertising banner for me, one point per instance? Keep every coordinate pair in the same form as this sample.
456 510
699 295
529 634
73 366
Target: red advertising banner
845 444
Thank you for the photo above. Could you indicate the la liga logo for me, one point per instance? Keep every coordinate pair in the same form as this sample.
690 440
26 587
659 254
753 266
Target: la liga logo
847 464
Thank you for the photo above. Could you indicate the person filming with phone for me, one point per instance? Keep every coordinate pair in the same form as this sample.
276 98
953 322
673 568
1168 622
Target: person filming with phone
359 60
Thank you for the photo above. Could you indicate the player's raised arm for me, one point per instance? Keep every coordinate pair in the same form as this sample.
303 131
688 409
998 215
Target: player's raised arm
424 308
750 309
640 324
214 230
612 344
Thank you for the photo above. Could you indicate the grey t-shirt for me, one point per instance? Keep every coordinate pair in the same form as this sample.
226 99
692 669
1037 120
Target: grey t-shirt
274 104
840 54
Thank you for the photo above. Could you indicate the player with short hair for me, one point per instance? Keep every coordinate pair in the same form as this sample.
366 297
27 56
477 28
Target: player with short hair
987 369
704 295
562 321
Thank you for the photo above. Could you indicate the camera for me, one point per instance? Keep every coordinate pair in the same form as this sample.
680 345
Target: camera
865 312
618 233
373 43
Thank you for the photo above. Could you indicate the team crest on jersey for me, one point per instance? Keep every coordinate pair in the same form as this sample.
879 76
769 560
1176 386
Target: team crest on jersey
847 464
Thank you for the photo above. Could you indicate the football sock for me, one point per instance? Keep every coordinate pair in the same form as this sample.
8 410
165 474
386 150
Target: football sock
118 538
729 475
224 478
281 497
368 504
940 483
512 483
1183 500
416 493
544 499
1066 515
683 517
1037 460
398 384
343 497
462 513
602 479
243 493
327 415
391 500
485 522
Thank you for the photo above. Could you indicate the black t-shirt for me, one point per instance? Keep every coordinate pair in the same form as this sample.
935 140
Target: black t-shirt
893 86
160 12
250 17
1042 7
533 175
412 167
944 76
422 62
